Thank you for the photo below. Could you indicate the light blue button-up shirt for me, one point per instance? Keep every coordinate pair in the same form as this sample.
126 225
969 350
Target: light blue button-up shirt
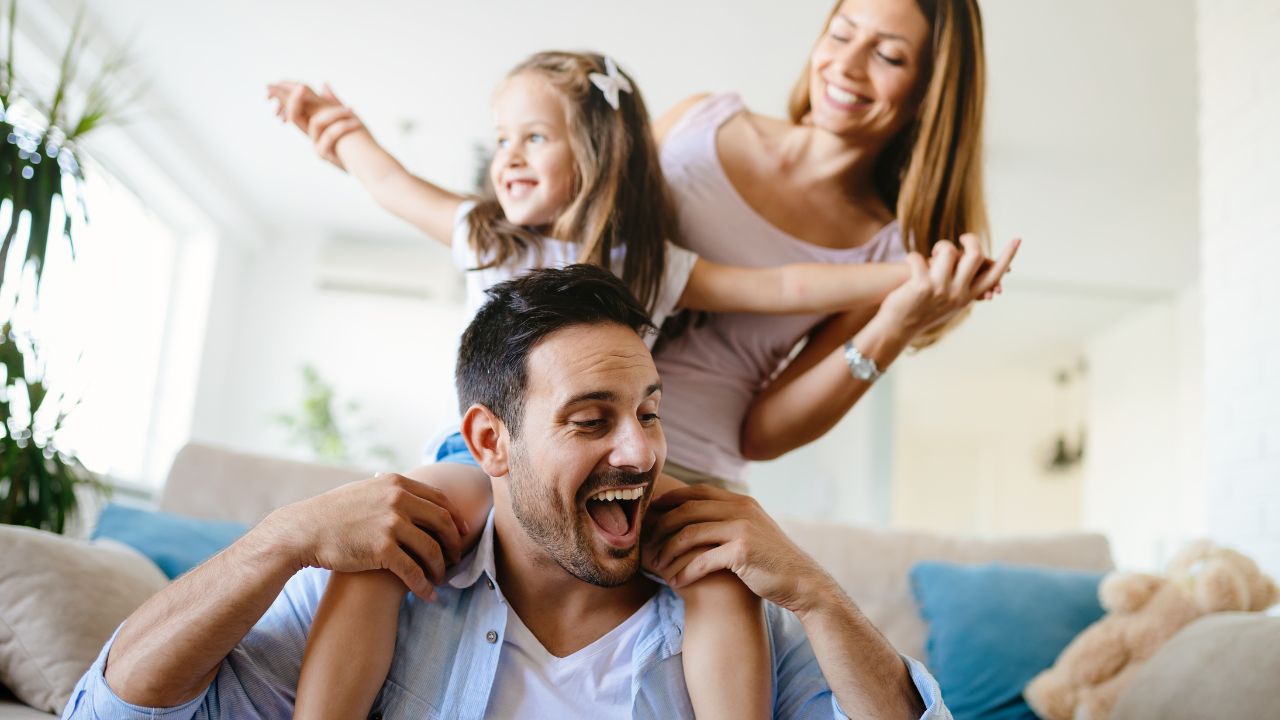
446 658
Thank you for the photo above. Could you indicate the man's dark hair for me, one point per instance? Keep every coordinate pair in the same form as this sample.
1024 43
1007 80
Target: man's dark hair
493 357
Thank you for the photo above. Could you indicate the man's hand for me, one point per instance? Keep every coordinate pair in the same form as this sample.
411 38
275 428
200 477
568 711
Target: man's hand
387 522
696 530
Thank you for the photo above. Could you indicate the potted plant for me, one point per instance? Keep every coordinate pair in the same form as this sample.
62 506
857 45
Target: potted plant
40 182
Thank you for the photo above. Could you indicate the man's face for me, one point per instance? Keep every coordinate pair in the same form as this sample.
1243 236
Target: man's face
590 446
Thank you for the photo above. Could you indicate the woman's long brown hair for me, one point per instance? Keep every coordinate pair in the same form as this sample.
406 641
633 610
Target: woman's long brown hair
620 198
931 173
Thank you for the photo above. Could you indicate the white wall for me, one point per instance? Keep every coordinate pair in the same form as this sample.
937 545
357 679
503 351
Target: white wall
1240 250
845 476
1143 475
972 446
391 353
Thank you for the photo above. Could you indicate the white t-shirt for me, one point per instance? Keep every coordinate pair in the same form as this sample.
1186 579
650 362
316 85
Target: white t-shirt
555 254
594 682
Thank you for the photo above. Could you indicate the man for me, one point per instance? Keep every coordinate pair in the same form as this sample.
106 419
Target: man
562 400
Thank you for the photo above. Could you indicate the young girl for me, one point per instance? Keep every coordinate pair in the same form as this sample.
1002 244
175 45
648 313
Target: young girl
575 177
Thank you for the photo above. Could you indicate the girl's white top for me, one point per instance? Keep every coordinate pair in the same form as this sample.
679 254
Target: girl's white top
556 254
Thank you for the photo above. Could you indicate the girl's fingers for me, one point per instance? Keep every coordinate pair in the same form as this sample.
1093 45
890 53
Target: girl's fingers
294 106
328 143
323 118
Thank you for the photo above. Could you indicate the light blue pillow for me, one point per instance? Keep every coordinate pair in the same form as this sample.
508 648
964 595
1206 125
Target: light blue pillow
175 543
992 628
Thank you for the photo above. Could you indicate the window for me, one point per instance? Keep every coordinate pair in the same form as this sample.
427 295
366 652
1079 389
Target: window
100 324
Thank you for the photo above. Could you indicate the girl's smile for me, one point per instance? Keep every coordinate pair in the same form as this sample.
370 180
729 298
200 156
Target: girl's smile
533 169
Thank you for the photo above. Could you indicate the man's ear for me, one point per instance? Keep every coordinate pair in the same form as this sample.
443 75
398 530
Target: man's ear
486 437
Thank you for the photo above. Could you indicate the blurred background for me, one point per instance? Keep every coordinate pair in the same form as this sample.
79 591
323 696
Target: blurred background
1128 380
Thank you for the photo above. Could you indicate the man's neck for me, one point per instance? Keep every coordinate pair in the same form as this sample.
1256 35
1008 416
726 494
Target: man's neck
564 613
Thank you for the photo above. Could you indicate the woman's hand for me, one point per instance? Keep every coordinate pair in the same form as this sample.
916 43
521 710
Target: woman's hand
945 284
322 116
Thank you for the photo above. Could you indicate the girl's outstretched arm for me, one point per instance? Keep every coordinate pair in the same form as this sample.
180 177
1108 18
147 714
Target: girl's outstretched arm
342 139
353 637
728 667
785 289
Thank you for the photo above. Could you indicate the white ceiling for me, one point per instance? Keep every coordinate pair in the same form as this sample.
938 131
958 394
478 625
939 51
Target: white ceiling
1091 135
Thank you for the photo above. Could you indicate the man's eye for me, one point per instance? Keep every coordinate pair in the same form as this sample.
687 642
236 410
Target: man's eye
649 418
503 142
595 424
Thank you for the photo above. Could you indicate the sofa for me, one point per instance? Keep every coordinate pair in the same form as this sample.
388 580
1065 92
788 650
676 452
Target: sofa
871 564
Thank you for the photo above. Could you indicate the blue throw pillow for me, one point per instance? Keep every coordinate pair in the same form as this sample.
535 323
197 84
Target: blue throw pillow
994 627
173 542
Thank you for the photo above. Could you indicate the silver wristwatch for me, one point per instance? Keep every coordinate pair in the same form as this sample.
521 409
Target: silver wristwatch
862 367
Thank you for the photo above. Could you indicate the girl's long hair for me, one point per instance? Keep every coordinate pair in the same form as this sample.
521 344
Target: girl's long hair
620 199
931 173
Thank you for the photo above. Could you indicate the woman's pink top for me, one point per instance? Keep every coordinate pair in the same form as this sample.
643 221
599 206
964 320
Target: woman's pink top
711 373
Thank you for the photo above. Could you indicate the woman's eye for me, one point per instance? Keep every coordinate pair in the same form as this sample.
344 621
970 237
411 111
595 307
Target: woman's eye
891 60
537 137
839 38
649 418
503 142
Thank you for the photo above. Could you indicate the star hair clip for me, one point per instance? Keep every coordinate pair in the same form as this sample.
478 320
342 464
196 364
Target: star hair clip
611 82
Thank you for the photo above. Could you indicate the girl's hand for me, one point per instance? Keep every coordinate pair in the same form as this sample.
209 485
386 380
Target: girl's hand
946 284
322 116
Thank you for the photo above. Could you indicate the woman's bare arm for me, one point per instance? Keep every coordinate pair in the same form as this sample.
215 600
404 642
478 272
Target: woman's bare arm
816 390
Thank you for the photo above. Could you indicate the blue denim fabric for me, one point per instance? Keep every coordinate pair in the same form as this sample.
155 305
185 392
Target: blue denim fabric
454 450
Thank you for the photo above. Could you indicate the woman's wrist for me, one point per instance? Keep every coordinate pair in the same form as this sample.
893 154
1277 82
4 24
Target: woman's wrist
882 339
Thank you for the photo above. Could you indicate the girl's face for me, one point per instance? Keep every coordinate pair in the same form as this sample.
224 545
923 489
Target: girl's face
863 73
532 170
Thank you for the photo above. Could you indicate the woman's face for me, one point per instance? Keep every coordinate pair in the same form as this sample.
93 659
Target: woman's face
864 71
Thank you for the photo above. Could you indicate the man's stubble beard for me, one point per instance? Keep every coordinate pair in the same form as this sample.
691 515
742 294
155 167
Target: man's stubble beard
564 532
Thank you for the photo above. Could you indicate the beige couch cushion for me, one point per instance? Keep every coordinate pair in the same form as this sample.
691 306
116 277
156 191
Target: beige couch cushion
60 600
216 484
872 566
1220 666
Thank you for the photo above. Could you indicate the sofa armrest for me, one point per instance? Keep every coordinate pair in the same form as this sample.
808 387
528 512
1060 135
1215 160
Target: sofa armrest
1221 666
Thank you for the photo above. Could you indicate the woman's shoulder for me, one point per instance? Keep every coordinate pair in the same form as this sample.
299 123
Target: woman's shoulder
663 126
698 110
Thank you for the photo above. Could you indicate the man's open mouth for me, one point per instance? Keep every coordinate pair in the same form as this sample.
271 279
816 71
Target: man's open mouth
614 513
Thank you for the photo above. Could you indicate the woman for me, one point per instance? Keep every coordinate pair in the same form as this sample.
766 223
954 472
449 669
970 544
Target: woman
885 122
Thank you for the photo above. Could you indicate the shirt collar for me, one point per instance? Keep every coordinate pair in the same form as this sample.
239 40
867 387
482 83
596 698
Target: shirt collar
477 562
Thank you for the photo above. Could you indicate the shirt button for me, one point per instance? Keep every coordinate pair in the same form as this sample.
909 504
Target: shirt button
491 636
488 582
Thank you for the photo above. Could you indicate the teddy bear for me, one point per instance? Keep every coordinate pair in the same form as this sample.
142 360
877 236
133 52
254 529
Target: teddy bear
1143 611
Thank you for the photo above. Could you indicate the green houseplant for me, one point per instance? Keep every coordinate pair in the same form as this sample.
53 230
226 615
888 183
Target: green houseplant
40 182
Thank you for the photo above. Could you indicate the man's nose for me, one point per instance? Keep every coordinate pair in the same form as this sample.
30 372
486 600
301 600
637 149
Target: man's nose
634 449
